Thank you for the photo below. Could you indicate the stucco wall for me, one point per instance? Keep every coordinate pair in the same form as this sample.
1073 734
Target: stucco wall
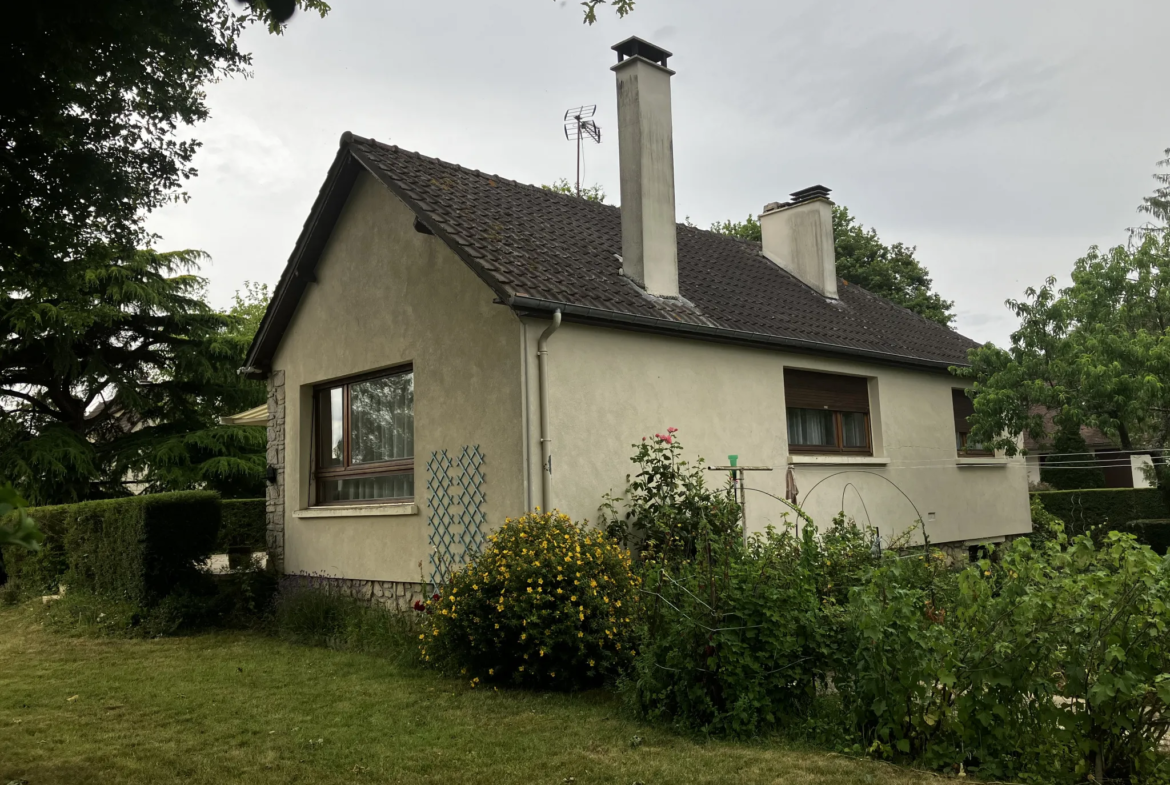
607 388
385 295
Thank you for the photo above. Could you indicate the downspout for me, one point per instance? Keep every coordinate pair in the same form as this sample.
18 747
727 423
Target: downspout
545 439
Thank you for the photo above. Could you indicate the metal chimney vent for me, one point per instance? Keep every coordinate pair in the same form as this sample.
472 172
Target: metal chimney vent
636 47
810 193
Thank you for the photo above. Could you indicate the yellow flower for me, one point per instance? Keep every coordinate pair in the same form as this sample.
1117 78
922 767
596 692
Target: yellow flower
530 590
491 671
573 598
591 663
422 637
523 635
542 652
580 635
497 626
435 631
521 667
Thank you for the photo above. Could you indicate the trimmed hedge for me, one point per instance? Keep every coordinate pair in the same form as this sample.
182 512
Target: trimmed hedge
1139 511
243 526
137 549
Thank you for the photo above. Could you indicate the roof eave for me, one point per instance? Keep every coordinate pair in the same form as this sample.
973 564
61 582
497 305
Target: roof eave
524 305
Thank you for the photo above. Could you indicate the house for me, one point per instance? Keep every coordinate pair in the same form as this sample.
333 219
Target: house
447 347
1122 468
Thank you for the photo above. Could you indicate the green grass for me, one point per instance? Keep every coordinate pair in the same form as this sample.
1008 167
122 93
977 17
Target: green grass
236 707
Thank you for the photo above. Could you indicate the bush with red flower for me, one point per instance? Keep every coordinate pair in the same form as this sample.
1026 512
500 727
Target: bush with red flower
667 504
549 603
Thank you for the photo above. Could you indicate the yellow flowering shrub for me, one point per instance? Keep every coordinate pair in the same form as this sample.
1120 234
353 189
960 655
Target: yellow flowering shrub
548 603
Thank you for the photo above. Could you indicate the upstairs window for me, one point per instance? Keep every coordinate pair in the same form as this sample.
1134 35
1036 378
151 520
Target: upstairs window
964 407
827 413
364 439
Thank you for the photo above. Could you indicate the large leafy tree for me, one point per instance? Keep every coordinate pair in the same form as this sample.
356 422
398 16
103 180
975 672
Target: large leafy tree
117 372
109 350
1094 353
890 271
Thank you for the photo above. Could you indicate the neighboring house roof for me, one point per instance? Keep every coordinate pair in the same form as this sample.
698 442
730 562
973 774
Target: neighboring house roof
254 416
1093 437
540 251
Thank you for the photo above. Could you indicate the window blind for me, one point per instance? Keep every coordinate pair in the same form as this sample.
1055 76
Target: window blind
964 408
811 390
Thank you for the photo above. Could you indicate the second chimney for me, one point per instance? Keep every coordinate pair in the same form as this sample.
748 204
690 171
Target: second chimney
798 236
646 150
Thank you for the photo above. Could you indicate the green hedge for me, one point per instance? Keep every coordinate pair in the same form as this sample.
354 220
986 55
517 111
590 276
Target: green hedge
1139 511
243 526
137 549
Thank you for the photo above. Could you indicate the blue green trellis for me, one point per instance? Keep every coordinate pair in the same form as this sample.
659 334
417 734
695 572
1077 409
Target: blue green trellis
456 503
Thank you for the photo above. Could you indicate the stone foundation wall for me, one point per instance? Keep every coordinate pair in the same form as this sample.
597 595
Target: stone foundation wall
274 506
398 595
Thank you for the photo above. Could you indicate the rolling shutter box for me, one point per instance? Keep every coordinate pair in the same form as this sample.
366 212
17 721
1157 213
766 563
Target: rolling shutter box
810 390
964 408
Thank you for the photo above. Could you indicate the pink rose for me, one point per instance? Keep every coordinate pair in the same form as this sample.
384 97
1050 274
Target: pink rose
672 430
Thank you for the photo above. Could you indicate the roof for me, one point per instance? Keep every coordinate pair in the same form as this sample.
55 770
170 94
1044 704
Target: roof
541 251
257 415
1093 437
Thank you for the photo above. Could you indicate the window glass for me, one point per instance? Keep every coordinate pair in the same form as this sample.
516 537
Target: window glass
392 486
853 431
331 411
812 427
381 419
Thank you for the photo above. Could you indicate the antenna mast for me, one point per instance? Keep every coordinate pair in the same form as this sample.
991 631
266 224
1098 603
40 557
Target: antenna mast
578 127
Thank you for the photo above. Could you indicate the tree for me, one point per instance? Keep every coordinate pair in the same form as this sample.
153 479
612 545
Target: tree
1095 353
107 368
890 271
590 193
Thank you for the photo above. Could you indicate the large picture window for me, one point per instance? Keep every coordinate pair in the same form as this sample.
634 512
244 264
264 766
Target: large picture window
827 413
364 439
964 407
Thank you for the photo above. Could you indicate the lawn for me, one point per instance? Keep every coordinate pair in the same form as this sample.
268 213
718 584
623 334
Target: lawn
234 707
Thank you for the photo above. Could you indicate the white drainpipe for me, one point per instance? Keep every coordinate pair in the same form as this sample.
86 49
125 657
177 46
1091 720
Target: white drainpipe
545 439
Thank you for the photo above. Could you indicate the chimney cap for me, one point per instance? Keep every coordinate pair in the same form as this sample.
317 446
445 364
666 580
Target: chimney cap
637 47
810 193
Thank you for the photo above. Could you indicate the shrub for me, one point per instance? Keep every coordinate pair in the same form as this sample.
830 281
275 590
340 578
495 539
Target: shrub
548 603
1049 662
315 613
137 549
243 526
667 503
738 639
1109 509
1069 446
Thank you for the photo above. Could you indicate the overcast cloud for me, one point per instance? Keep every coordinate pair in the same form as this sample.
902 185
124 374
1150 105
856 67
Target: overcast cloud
1001 138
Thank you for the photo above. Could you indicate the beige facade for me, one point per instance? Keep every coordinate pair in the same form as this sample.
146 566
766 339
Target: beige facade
608 388
386 295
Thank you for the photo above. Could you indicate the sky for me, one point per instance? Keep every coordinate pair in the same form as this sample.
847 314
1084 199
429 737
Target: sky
1000 138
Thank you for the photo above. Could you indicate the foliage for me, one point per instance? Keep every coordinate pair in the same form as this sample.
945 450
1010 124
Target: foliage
889 271
98 92
1069 446
17 528
1046 662
137 550
242 525
590 193
667 504
314 612
548 603
1094 353
116 372
738 639
1136 511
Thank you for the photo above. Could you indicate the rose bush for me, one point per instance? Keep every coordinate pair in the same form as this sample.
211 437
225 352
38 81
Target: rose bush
549 603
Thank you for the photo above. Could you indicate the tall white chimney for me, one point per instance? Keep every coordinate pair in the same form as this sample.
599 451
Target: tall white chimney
646 150
798 236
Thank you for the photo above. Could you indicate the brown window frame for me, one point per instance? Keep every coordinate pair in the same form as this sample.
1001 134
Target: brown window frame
963 428
347 470
794 375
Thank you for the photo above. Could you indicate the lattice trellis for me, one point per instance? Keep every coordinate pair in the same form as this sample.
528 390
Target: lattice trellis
456 502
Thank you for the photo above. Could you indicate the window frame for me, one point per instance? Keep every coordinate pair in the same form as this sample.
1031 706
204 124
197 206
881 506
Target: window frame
961 436
347 470
838 414
839 433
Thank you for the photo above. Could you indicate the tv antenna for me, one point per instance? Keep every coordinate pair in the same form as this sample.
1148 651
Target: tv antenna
580 126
